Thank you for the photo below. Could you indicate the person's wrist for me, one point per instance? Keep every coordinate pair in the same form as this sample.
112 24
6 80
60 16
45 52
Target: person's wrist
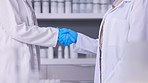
59 34
76 37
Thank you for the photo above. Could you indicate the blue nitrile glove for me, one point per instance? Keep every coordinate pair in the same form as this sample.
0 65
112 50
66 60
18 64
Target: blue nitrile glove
67 36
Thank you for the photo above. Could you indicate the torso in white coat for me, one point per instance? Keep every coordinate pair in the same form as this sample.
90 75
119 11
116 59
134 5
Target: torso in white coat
20 37
123 24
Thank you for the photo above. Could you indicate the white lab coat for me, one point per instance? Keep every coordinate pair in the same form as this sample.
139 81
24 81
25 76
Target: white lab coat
19 40
123 24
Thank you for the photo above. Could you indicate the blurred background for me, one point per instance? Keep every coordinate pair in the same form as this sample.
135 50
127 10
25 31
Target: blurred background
61 64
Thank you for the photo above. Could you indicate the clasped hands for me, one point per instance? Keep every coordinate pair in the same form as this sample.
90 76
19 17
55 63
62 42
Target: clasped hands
67 36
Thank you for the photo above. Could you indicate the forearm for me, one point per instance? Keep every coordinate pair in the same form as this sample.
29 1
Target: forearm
86 45
46 36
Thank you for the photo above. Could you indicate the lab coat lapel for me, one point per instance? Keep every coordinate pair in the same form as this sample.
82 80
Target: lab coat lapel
119 5
109 11
101 28
33 13
28 12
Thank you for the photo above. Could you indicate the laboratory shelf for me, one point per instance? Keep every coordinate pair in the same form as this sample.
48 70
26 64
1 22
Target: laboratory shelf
68 81
81 62
69 16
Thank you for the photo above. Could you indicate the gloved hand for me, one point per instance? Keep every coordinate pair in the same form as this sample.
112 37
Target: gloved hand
67 36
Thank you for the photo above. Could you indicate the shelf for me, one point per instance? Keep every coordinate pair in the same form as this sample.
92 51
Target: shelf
82 62
69 16
69 81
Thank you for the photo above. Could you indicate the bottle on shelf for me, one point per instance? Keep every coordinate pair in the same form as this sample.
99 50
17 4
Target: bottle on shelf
68 6
60 6
90 56
104 5
43 53
45 6
66 52
57 81
47 81
73 55
42 81
37 6
52 81
54 6
111 1
82 6
60 52
96 6
50 53
75 6
89 6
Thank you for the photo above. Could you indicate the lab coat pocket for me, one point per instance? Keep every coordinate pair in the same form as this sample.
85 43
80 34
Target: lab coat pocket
118 32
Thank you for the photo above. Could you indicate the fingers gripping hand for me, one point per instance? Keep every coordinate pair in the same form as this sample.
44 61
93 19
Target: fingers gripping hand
67 36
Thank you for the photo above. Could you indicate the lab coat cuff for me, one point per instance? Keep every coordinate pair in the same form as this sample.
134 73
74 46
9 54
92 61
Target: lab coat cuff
78 43
54 43
83 45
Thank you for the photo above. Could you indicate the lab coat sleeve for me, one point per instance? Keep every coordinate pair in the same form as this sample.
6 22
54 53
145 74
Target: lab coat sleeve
12 24
139 22
86 45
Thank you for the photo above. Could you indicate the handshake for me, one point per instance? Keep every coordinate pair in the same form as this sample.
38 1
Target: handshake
67 36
